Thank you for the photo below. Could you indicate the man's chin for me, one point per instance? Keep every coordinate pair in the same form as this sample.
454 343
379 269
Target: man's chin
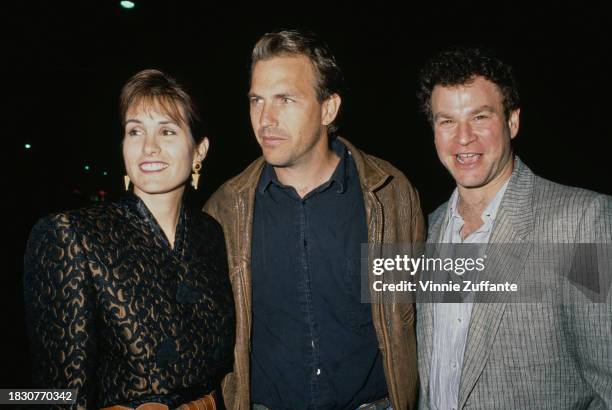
470 182
276 162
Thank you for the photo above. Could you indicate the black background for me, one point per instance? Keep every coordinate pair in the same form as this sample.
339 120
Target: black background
68 60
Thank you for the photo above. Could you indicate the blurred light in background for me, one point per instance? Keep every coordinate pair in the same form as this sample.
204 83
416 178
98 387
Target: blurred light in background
127 4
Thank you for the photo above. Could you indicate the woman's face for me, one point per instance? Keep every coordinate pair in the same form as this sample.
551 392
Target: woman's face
158 151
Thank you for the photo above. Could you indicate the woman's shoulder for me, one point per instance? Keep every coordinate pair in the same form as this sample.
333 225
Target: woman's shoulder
205 229
95 217
204 221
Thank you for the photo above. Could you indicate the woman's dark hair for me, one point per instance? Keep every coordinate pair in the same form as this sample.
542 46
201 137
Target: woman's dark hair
153 88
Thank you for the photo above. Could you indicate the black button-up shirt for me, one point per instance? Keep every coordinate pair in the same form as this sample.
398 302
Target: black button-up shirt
313 341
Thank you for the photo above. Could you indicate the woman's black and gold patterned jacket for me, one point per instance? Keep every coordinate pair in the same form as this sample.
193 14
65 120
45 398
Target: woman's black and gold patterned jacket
118 314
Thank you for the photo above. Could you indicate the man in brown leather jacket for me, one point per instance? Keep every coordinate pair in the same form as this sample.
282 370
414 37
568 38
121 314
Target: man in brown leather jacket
294 221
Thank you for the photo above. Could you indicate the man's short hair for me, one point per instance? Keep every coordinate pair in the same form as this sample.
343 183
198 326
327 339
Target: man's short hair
295 43
459 66
155 89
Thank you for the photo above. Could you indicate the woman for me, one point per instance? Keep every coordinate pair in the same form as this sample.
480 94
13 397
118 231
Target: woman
130 302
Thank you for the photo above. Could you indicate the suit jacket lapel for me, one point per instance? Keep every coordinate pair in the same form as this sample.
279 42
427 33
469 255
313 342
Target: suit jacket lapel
512 228
438 220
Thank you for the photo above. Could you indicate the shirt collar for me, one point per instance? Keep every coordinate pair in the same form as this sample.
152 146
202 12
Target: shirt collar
489 213
339 176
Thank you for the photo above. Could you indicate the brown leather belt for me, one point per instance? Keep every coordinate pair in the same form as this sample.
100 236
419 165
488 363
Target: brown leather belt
204 403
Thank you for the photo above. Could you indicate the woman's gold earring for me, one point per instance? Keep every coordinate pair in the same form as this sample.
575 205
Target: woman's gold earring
195 177
126 181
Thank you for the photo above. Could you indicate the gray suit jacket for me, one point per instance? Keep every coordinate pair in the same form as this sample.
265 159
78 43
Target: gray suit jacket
533 355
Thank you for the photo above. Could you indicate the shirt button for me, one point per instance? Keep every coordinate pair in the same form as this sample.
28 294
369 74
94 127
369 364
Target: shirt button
454 365
318 372
312 343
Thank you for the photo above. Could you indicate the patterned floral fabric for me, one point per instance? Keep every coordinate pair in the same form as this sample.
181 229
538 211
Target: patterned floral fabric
118 314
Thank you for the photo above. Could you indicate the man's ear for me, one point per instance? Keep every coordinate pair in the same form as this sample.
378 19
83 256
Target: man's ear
330 108
513 122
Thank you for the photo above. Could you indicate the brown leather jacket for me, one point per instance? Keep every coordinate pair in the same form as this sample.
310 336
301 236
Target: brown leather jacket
394 216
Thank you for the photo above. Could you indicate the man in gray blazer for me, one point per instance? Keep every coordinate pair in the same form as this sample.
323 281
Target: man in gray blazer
483 354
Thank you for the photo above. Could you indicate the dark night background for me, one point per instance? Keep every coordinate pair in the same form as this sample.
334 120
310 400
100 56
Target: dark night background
68 60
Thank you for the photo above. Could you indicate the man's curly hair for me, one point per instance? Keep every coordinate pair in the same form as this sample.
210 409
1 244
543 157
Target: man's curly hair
459 66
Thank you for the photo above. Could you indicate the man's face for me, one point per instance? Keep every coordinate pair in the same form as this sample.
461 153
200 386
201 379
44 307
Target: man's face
285 113
472 135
